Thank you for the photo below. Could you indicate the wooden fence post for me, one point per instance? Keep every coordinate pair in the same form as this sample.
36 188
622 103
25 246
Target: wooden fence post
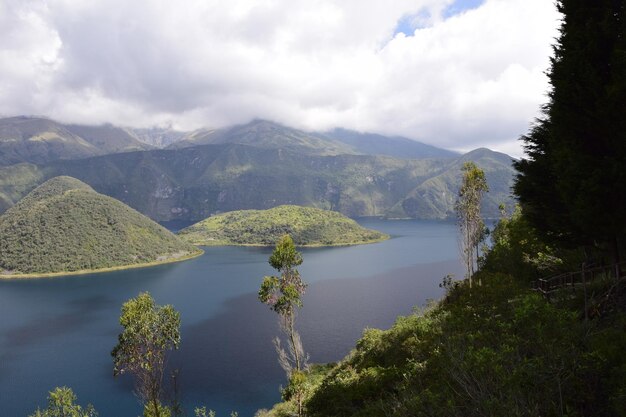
585 291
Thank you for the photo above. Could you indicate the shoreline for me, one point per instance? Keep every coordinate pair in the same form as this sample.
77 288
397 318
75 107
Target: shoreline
260 245
97 271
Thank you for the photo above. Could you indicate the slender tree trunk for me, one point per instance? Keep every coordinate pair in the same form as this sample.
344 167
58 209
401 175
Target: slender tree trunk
468 249
292 339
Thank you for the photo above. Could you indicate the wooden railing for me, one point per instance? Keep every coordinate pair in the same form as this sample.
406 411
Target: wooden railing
574 279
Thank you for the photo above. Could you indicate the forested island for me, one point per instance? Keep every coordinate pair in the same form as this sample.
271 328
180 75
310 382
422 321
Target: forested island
65 227
307 226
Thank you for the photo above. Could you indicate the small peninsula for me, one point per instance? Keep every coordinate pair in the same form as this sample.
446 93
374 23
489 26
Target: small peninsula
306 225
65 227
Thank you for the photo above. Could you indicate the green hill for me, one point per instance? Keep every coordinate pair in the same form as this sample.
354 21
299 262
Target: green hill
307 226
65 226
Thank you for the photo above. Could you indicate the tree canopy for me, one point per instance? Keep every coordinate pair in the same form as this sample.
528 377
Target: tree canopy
61 403
572 185
150 331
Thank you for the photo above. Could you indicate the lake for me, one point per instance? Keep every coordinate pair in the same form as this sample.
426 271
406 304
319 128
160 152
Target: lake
60 331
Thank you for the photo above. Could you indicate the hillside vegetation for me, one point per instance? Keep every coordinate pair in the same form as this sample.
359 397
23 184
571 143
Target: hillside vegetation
496 349
307 226
197 182
65 226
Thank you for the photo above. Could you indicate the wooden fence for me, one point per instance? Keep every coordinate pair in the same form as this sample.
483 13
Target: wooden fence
574 279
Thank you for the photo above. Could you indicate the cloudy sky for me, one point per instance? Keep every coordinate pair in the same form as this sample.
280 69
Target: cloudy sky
454 73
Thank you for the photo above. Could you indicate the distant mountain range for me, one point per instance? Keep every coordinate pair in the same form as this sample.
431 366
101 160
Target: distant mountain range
38 140
259 165
396 146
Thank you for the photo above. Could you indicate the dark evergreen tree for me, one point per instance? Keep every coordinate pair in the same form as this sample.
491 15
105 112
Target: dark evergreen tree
572 186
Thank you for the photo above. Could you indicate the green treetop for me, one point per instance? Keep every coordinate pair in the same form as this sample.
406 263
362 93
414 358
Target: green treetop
572 185
150 331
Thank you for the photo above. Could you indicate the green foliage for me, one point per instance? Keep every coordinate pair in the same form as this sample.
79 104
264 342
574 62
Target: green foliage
202 412
493 350
61 403
467 207
517 249
308 226
283 293
63 226
572 184
284 296
156 409
150 331
299 389
285 256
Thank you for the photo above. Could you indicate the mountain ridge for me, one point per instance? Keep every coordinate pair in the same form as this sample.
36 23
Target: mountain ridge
196 182
40 140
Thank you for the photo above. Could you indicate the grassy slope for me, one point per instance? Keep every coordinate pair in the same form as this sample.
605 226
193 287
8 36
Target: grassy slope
64 226
307 226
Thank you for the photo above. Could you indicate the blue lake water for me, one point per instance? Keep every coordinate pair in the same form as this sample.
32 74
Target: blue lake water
60 331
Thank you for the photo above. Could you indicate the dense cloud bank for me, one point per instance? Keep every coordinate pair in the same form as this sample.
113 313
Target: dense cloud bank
433 70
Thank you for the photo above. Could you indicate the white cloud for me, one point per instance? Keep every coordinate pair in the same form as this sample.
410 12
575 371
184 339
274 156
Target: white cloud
474 79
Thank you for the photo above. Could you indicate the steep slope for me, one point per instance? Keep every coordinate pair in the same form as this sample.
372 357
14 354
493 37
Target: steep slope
307 226
194 183
16 181
265 134
158 137
435 197
109 139
65 226
398 147
39 140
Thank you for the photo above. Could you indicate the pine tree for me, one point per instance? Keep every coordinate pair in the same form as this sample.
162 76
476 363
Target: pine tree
572 186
